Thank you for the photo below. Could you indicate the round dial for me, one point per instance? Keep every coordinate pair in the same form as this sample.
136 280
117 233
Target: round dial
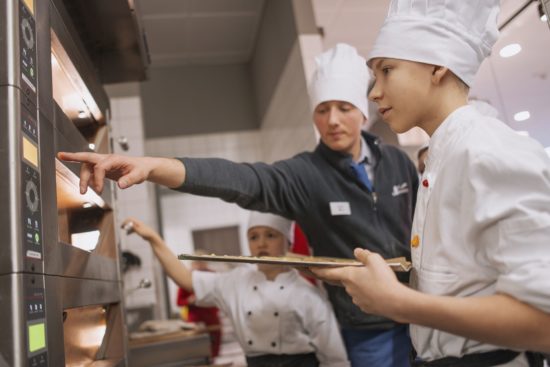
31 193
28 35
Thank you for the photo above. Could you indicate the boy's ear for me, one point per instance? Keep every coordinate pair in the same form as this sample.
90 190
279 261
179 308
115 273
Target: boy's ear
438 72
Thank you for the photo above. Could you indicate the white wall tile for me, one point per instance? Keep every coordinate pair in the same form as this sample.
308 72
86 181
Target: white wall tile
182 214
229 146
138 202
289 110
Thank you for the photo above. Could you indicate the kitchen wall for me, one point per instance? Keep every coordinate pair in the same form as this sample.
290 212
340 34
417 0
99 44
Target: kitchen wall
266 117
181 213
139 201
285 128
198 99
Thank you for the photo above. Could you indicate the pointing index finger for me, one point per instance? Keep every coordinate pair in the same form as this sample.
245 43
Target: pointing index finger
82 157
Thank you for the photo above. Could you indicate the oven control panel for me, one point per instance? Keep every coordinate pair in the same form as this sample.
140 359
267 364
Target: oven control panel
31 211
30 188
35 310
27 49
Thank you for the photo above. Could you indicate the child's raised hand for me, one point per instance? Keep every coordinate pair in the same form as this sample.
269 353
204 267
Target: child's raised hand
133 225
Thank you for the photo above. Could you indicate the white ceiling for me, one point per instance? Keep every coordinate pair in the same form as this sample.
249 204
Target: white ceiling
183 32
521 82
518 83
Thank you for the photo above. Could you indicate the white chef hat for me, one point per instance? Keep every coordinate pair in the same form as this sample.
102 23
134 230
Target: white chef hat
341 75
451 33
276 222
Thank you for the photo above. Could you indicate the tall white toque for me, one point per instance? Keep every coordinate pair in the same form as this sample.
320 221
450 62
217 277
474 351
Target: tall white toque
457 34
341 75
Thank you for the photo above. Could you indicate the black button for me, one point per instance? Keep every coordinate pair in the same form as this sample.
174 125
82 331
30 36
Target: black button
249 313
282 287
255 288
276 314
273 344
250 342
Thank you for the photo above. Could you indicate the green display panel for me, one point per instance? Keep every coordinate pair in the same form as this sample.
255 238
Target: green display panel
37 337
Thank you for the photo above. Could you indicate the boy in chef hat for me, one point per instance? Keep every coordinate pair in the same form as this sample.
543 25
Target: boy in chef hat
480 244
279 319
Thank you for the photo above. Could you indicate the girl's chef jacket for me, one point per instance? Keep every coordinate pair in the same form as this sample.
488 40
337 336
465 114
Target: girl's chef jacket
284 316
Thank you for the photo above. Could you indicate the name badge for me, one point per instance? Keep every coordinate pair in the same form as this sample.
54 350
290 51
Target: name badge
400 189
340 208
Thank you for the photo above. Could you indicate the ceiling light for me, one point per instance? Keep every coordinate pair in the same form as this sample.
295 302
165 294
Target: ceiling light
91 146
510 50
544 18
87 205
522 116
81 114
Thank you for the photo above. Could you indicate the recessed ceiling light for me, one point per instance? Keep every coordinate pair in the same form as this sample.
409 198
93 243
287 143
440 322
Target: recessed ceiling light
81 114
544 18
522 116
91 146
510 50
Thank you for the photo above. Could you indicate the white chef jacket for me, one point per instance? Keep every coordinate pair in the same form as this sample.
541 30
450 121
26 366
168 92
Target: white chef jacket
482 223
284 316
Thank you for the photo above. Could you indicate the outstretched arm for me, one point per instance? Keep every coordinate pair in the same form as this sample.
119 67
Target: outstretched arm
497 319
170 263
125 170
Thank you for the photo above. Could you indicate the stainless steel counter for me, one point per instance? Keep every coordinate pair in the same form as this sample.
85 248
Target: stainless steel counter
186 348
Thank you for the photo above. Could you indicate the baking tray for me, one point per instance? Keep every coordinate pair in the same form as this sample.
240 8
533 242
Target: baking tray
398 264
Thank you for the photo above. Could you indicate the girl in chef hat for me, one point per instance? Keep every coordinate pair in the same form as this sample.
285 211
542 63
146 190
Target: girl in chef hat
279 319
480 253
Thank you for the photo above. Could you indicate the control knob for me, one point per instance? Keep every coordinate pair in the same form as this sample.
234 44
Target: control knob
28 35
31 194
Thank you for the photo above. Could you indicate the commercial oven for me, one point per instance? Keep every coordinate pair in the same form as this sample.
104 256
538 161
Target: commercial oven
61 298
